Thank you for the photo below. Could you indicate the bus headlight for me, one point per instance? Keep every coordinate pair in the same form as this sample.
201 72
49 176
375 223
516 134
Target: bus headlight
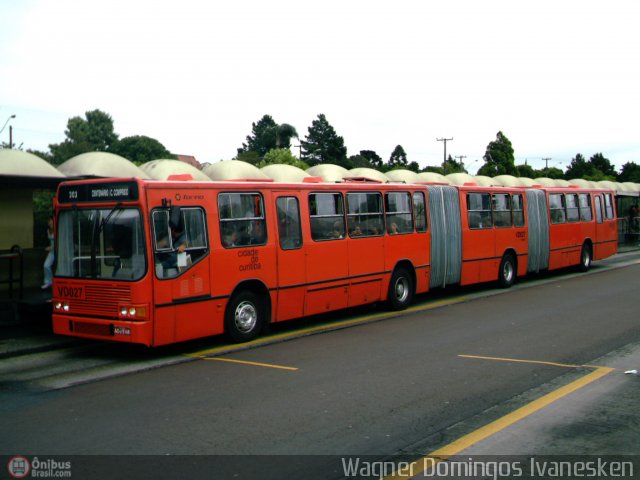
61 306
132 312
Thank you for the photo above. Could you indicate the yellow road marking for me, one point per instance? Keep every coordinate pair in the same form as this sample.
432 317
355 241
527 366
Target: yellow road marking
244 362
516 360
461 444
319 328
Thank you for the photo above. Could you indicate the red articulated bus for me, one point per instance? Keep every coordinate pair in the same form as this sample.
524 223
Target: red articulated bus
158 262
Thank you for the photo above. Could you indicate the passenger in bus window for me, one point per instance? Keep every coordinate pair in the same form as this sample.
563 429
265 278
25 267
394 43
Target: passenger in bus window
257 236
393 229
170 259
337 231
357 231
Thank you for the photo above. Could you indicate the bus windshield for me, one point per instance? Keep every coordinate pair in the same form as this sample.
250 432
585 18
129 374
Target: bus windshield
101 243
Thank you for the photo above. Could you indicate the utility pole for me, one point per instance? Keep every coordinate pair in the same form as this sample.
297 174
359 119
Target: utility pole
445 140
10 137
546 162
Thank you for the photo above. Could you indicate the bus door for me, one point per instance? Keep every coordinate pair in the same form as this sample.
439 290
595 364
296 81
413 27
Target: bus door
181 275
327 256
292 271
365 228
606 241
479 258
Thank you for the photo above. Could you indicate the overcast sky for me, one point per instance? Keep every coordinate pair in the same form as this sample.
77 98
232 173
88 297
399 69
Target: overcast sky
556 77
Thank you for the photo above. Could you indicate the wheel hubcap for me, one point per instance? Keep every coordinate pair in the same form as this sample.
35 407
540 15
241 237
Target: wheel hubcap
507 271
246 317
402 289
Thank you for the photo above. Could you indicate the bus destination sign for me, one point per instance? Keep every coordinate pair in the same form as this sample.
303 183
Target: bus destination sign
98 192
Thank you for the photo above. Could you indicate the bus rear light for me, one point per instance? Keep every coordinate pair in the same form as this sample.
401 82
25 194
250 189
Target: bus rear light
132 312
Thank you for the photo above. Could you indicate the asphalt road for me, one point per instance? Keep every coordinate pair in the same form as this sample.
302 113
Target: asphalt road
406 385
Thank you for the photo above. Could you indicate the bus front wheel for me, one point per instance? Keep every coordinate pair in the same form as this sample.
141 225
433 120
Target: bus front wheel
400 289
507 271
244 316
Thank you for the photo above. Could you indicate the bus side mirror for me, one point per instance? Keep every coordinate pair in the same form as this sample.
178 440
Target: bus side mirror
175 218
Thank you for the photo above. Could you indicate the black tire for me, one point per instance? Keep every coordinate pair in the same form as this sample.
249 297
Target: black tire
508 271
586 256
244 317
401 289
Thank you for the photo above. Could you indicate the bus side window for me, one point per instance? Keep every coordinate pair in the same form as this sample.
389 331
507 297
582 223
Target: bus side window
556 208
585 207
598 209
573 211
502 210
364 217
479 210
420 212
289 230
399 213
608 206
518 210
327 216
242 220
169 261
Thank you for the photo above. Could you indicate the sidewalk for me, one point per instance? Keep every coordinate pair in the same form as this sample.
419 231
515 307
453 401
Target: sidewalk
25 325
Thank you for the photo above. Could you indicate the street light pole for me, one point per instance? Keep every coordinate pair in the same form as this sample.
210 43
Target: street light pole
5 123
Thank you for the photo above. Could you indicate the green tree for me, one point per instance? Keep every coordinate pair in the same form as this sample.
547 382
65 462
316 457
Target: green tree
94 133
526 171
398 159
433 169
551 172
267 135
499 158
414 167
140 149
323 145
281 156
374 160
578 168
601 163
451 166
630 173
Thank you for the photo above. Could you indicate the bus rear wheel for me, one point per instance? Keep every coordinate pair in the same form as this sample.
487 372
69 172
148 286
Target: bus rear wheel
244 317
585 258
400 289
507 271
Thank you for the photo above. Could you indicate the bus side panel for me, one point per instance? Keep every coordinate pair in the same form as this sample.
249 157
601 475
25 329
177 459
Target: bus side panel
366 269
479 263
566 243
607 240
327 276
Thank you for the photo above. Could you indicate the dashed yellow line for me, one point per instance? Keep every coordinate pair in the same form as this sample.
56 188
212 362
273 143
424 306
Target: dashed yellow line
255 364
461 444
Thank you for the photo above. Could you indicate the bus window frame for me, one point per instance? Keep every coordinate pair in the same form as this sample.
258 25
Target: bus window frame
499 212
327 235
355 219
244 237
298 226
557 214
481 213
